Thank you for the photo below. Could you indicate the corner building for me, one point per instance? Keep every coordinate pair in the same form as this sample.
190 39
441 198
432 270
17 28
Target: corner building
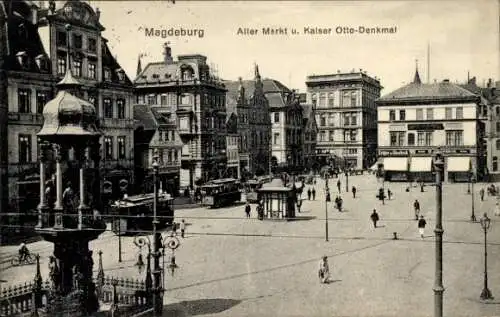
346 115
198 101
417 119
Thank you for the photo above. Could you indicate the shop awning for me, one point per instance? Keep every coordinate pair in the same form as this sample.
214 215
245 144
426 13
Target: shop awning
399 164
458 164
421 164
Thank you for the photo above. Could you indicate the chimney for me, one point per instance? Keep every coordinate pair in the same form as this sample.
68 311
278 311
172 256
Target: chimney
168 53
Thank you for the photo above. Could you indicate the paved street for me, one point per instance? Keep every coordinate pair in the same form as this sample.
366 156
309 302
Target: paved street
245 267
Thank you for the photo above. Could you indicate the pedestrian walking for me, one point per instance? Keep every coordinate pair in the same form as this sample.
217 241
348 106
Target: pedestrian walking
174 227
354 191
324 270
416 207
374 217
183 228
248 209
309 193
481 193
421 226
389 194
338 185
314 193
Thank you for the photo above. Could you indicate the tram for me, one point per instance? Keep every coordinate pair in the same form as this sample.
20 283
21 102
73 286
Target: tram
135 213
252 186
221 192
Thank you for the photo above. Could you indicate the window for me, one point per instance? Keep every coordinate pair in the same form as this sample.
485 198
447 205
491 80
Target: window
92 45
354 99
164 100
402 115
322 99
276 117
346 119
41 99
420 138
77 41
331 120
173 135
107 74
61 38
160 135
459 113
331 100
322 121
332 136
448 113
61 64
276 138
322 136
353 135
495 163
77 68
120 105
23 100
498 144
108 148
151 99
345 99
428 138
173 99
92 70
121 147
411 139
354 119
498 126
108 108
420 114
397 138
392 115
430 114
497 110
454 137
24 143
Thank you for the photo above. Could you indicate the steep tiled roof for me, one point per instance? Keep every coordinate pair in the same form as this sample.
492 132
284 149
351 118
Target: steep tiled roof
272 85
233 86
420 92
164 71
144 117
110 62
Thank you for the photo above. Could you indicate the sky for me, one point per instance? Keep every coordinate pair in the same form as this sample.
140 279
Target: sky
463 37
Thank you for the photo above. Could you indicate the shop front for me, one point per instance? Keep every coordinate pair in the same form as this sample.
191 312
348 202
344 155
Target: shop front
458 169
396 169
421 169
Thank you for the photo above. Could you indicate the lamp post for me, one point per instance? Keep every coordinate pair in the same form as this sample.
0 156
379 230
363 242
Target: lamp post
327 199
473 216
468 184
485 224
157 288
438 163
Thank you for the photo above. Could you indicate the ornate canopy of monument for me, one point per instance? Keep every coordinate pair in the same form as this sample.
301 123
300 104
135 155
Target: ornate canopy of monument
70 125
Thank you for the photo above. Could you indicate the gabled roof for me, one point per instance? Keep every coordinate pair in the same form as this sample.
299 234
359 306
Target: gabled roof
272 85
110 62
144 117
444 91
164 71
233 87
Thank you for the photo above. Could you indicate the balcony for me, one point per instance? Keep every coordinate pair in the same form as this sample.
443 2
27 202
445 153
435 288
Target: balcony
117 123
184 108
26 118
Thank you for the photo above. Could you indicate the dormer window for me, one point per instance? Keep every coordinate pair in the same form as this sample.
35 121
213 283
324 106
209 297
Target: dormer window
155 76
121 74
22 59
107 74
168 76
187 73
42 62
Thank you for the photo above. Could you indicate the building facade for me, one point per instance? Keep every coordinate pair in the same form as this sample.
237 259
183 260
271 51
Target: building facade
39 44
156 135
417 119
310 133
346 115
197 98
286 127
254 125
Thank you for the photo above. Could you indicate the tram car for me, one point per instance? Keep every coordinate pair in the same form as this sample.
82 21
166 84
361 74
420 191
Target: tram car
135 213
221 192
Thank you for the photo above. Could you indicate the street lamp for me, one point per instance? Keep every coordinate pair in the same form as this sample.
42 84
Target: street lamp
473 216
327 199
485 224
468 184
438 163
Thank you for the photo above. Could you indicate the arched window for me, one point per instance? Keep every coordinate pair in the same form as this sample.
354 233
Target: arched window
495 163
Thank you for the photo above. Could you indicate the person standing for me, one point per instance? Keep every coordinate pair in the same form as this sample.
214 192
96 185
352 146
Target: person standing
354 191
309 193
174 227
481 193
183 227
416 207
324 270
338 185
389 194
248 209
314 193
374 217
421 226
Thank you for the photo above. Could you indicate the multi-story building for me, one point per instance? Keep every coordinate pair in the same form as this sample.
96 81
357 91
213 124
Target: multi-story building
254 125
156 135
417 119
39 43
287 126
232 143
346 115
197 99
310 133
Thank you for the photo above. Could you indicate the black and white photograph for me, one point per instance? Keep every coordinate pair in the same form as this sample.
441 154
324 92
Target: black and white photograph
252 158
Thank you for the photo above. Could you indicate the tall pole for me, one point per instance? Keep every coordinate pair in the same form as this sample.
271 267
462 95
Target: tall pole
485 224
326 206
438 278
346 181
119 240
473 215
4 146
157 289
